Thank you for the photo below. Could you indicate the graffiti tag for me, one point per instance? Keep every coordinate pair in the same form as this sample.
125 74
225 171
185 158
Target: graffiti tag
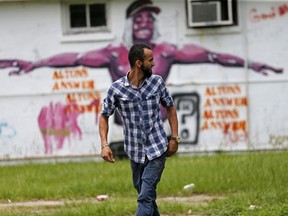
273 12
6 130
223 110
278 141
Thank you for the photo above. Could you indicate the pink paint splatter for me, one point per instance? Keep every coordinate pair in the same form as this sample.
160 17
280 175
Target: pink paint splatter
56 124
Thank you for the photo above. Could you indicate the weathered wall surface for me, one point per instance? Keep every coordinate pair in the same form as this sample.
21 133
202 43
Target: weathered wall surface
228 103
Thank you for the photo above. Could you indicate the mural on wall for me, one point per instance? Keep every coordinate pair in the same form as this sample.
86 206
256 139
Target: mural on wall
58 121
188 110
224 110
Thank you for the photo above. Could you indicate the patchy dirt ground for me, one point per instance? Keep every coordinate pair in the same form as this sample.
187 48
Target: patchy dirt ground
201 199
192 200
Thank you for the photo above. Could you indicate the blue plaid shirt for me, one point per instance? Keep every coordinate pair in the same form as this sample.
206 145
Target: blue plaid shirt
140 111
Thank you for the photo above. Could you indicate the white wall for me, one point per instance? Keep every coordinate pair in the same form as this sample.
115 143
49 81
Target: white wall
32 31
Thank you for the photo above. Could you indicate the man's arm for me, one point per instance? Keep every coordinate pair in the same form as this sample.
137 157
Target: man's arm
106 152
173 121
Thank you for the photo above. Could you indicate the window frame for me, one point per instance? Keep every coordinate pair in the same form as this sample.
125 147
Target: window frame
66 26
231 10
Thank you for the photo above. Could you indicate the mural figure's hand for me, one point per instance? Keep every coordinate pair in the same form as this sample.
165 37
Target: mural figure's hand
23 67
264 69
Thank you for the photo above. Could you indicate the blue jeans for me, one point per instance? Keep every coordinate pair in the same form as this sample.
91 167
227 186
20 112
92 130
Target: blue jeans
145 179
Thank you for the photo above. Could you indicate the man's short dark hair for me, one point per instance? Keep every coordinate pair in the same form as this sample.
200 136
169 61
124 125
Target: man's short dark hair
137 53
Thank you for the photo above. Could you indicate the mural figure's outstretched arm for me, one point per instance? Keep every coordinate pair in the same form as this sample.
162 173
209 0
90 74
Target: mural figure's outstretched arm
20 65
234 61
195 54
94 58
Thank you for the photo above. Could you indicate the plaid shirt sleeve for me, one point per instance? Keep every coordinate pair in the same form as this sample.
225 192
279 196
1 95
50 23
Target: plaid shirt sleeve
109 103
165 99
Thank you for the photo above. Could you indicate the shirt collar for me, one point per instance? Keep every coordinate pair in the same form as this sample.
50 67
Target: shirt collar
125 80
127 83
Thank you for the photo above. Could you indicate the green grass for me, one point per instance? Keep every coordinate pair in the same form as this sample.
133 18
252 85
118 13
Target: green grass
259 178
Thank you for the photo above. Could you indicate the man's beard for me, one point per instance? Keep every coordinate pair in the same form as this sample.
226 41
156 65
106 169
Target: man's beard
146 70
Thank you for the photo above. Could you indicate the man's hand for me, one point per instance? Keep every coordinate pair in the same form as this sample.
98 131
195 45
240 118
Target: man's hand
172 148
107 154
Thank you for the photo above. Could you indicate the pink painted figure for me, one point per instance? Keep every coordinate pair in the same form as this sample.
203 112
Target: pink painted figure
58 122
53 128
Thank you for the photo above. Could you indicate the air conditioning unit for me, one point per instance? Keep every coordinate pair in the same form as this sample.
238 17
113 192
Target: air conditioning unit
209 13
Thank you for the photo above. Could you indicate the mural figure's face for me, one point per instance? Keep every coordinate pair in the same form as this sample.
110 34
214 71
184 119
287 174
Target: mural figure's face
143 26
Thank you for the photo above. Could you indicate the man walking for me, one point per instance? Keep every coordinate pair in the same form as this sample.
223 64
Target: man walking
137 96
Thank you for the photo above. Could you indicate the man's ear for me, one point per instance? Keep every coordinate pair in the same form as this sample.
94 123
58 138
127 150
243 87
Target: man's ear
138 63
